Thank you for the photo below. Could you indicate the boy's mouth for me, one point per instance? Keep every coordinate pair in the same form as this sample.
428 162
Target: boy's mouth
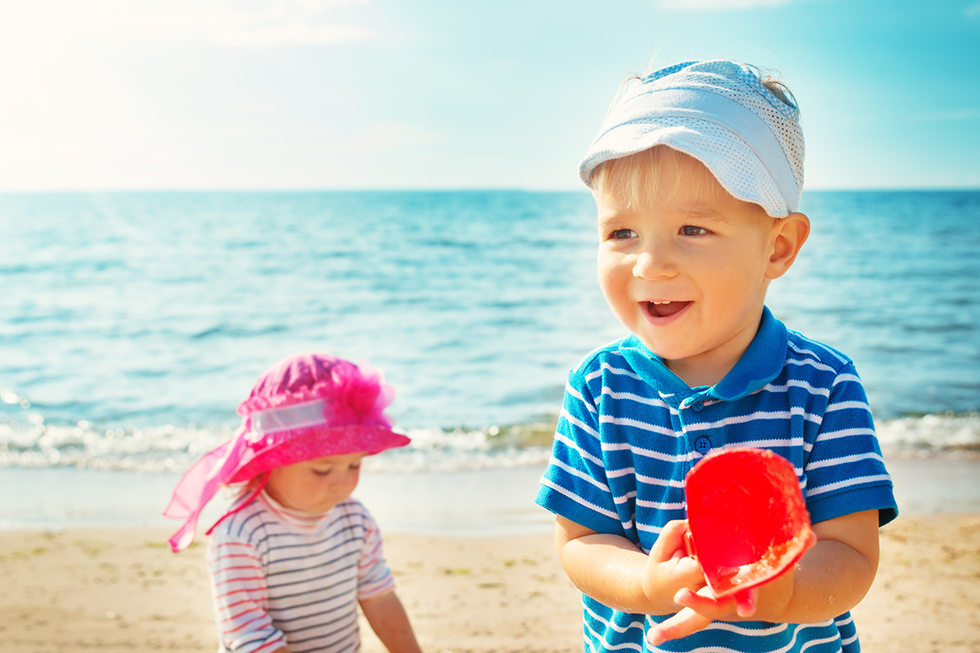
665 309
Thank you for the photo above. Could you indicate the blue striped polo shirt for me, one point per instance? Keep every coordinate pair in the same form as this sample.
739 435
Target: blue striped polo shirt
630 430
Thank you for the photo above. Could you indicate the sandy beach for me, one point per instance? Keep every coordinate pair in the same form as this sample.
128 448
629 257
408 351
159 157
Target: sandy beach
121 589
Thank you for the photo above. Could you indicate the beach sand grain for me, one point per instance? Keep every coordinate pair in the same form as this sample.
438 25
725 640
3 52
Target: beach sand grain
77 591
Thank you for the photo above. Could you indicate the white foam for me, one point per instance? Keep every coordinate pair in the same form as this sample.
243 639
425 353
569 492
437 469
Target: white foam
930 435
174 449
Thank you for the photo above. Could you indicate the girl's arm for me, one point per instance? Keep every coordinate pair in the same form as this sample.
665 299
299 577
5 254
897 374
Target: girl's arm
239 594
830 579
612 570
390 623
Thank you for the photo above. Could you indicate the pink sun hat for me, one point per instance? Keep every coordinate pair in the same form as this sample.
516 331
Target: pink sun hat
306 406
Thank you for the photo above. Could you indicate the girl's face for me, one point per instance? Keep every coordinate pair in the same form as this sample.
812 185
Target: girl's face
315 485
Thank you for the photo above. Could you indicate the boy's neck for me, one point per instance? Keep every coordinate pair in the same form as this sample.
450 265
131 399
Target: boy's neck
709 368
695 376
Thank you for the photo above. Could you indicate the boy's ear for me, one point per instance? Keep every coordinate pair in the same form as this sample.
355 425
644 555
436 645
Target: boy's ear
788 236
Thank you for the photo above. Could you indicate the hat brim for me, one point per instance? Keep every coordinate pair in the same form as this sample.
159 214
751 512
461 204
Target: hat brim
319 442
738 168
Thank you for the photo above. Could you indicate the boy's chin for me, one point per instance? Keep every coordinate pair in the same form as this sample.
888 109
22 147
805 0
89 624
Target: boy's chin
668 352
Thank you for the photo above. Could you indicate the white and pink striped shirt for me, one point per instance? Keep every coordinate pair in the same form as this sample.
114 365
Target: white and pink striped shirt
281 578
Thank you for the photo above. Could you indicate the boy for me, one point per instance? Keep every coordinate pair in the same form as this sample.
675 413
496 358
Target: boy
697 172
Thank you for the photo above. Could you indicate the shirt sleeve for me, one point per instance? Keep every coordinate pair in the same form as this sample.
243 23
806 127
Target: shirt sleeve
240 598
845 472
374 578
575 485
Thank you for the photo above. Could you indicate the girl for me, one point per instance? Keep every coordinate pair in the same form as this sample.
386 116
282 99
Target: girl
295 552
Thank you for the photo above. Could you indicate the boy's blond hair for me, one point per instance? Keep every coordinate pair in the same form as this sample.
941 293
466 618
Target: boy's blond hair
629 178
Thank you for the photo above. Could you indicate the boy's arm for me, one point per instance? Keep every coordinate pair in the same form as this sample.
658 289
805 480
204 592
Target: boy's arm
612 570
830 579
390 623
835 574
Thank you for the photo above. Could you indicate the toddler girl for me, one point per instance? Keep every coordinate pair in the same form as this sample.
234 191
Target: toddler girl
295 552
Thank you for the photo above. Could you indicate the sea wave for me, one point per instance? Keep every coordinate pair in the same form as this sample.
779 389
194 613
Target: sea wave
172 449
948 435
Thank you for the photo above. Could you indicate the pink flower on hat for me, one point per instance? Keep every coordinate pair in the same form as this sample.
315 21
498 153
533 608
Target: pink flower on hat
361 399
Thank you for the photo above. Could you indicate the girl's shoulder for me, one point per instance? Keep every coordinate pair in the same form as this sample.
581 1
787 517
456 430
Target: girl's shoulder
244 521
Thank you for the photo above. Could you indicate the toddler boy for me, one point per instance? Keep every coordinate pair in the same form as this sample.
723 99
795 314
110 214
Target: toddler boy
697 172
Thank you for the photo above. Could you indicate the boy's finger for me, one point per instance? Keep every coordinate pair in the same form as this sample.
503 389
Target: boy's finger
813 540
670 540
746 601
705 604
682 624
686 573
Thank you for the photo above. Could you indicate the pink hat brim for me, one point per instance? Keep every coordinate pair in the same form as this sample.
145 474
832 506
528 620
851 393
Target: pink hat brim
318 442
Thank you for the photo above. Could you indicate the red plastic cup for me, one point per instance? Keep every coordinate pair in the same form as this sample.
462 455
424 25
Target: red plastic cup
747 521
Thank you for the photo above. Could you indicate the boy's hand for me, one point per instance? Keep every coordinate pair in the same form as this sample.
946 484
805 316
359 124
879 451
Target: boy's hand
617 573
702 607
669 570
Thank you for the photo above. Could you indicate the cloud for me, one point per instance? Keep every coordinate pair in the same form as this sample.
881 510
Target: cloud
972 11
720 5
231 23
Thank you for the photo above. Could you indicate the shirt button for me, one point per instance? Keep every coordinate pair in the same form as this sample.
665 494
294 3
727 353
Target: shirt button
697 405
703 445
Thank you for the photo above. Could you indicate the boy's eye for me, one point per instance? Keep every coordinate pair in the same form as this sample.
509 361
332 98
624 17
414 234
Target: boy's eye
355 465
322 472
691 230
623 234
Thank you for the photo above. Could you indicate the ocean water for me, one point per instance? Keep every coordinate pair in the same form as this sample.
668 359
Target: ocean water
132 324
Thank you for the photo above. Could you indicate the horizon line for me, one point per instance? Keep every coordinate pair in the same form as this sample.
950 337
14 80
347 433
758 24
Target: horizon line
434 189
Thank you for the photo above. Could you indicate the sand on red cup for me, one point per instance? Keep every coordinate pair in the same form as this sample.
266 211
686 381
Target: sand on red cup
747 520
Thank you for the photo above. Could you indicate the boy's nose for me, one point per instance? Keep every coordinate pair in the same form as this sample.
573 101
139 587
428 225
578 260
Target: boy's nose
653 263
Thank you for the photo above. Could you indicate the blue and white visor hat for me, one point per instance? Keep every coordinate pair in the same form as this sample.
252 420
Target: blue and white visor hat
720 113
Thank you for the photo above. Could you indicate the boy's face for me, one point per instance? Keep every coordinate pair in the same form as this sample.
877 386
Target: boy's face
684 268
315 485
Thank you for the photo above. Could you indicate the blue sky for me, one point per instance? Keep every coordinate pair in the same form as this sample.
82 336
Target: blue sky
321 94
